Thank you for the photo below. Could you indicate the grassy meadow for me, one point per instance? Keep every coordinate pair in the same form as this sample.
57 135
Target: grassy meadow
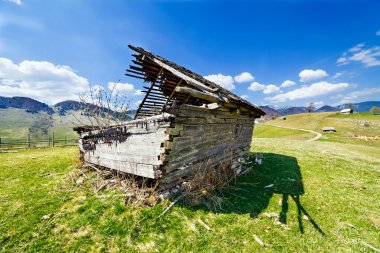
320 196
16 124
350 128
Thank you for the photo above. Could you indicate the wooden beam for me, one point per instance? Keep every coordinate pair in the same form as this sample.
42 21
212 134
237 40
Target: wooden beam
136 72
139 77
188 79
198 94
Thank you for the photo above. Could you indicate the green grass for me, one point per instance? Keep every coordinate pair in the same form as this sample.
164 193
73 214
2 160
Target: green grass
266 131
318 188
349 127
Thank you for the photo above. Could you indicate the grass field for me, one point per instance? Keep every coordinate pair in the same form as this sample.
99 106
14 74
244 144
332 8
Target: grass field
350 128
267 131
324 198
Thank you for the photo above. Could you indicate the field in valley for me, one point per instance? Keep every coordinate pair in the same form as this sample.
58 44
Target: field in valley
320 196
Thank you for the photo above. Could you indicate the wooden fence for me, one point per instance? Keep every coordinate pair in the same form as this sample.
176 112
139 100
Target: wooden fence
30 143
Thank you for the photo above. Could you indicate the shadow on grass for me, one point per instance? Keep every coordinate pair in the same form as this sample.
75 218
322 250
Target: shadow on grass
278 174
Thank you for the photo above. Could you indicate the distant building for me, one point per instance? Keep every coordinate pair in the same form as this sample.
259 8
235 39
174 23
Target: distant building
346 111
328 129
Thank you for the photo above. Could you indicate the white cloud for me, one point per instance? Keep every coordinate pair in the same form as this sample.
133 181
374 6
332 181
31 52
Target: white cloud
244 77
370 57
358 95
123 89
308 75
226 82
287 83
314 90
255 86
378 33
337 75
244 96
18 2
356 48
40 80
271 88
267 89
97 88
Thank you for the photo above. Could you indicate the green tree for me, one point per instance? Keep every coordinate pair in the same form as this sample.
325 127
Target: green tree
349 106
375 110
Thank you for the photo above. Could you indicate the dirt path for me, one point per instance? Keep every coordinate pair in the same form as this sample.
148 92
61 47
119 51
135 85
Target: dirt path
316 137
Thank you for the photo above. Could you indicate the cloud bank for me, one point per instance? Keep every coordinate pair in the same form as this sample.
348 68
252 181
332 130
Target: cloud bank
40 80
314 90
369 57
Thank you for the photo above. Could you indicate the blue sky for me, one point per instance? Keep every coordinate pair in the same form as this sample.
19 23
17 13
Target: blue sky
291 52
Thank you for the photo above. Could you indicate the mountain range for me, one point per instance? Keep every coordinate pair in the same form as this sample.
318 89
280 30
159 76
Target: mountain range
61 108
357 107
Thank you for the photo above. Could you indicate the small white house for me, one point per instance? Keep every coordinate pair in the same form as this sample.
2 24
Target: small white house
328 129
346 111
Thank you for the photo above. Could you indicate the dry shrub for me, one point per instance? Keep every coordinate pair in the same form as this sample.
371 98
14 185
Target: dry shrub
202 186
136 190
207 180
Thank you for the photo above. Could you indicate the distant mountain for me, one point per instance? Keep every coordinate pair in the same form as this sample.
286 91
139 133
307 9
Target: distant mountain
31 105
327 108
361 107
269 111
292 110
70 105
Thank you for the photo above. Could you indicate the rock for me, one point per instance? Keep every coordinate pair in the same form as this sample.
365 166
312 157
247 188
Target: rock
46 217
79 181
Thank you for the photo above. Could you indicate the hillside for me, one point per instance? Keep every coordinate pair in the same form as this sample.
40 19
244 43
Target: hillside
357 128
20 117
17 124
269 111
327 108
31 105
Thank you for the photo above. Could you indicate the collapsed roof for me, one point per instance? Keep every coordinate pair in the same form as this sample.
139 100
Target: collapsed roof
172 84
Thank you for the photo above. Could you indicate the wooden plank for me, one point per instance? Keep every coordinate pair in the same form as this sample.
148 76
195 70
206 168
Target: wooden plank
198 94
196 155
136 72
144 170
138 77
186 78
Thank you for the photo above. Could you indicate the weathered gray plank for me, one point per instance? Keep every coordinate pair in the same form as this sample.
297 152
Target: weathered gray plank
144 170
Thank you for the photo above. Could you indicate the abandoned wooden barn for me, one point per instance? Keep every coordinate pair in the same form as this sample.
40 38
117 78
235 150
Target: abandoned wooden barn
183 121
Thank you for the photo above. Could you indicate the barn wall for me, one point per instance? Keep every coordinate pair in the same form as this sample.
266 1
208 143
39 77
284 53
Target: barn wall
200 135
135 148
